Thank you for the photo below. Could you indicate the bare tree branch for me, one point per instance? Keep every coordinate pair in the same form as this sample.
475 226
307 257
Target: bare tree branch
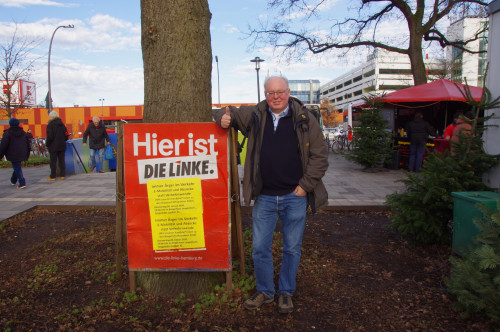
421 19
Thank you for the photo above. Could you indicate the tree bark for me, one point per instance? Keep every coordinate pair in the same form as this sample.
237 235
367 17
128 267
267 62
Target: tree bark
177 59
417 61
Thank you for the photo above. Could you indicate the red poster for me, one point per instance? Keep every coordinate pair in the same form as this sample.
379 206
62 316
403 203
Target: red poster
177 196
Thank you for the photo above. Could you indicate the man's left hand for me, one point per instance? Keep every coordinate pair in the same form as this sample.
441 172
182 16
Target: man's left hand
299 191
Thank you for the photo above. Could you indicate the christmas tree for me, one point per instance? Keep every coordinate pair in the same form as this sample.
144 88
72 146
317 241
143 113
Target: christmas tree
372 139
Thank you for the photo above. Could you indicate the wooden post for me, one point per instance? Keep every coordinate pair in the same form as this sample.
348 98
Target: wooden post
236 225
120 235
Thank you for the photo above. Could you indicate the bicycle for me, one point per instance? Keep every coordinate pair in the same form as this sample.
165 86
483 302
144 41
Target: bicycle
38 147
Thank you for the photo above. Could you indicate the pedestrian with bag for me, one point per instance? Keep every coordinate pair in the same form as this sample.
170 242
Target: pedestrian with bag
57 135
97 137
15 146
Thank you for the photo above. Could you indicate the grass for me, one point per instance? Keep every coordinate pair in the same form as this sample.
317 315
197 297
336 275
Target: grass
31 162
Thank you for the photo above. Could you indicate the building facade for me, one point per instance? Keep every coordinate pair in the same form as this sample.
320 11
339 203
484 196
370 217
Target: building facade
77 119
308 91
465 66
383 72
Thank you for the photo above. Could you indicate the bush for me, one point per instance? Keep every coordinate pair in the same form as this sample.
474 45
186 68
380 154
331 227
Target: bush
31 162
475 278
422 211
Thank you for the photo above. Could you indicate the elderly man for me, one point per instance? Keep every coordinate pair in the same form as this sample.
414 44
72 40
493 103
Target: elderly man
286 159
96 131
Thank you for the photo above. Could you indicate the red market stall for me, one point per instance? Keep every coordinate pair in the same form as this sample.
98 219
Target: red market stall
438 101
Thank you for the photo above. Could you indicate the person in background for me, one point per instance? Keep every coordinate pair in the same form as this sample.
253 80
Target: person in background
15 146
28 133
96 132
448 132
57 135
286 158
418 131
463 127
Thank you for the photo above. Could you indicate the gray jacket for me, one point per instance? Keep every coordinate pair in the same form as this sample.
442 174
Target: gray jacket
250 120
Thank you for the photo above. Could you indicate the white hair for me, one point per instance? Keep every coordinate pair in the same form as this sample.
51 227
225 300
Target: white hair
96 118
272 77
53 115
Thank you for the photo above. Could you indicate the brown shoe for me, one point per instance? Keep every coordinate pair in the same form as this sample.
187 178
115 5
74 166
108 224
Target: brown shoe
101 171
51 179
62 178
285 305
257 300
91 169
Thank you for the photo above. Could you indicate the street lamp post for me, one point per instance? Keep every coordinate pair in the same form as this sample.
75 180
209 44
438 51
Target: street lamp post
218 84
257 61
102 109
49 101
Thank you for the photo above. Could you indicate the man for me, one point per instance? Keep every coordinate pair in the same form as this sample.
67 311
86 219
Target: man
56 143
418 132
285 161
29 134
15 146
96 131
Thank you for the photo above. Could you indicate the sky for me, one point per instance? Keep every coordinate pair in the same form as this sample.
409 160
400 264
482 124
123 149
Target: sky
99 61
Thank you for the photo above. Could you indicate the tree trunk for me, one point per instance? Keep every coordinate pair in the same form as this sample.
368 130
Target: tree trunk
177 60
177 88
417 60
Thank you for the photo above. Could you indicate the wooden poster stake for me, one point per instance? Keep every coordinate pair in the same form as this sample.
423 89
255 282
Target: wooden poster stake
236 224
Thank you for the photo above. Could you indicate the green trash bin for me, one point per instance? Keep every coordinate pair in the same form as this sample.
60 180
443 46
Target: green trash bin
464 212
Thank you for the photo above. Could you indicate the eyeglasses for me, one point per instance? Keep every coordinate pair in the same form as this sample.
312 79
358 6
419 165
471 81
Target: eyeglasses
276 93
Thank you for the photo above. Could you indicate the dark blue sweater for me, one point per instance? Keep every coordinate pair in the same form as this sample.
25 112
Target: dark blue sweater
280 163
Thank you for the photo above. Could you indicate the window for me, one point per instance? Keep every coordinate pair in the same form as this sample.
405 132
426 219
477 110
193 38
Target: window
369 73
395 71
392 87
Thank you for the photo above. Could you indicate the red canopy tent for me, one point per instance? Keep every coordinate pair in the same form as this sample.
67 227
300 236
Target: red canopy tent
440 90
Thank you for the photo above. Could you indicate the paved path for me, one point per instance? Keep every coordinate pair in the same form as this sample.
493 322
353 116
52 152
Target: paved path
347 186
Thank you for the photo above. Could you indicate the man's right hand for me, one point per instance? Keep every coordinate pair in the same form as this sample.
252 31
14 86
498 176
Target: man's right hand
225 121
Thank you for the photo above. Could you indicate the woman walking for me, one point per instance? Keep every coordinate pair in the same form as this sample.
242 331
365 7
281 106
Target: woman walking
56 143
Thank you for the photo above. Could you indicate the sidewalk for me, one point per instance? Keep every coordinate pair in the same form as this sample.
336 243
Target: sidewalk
347 186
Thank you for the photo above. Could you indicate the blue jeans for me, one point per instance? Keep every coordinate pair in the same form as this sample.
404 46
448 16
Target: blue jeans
97 159
416 156
291 210
17 175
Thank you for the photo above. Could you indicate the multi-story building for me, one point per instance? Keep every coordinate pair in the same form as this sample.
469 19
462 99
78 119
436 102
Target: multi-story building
305 90
462 66
383 72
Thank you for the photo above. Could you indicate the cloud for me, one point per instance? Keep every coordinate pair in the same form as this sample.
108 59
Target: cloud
74 83
26 3
230 28
100 33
